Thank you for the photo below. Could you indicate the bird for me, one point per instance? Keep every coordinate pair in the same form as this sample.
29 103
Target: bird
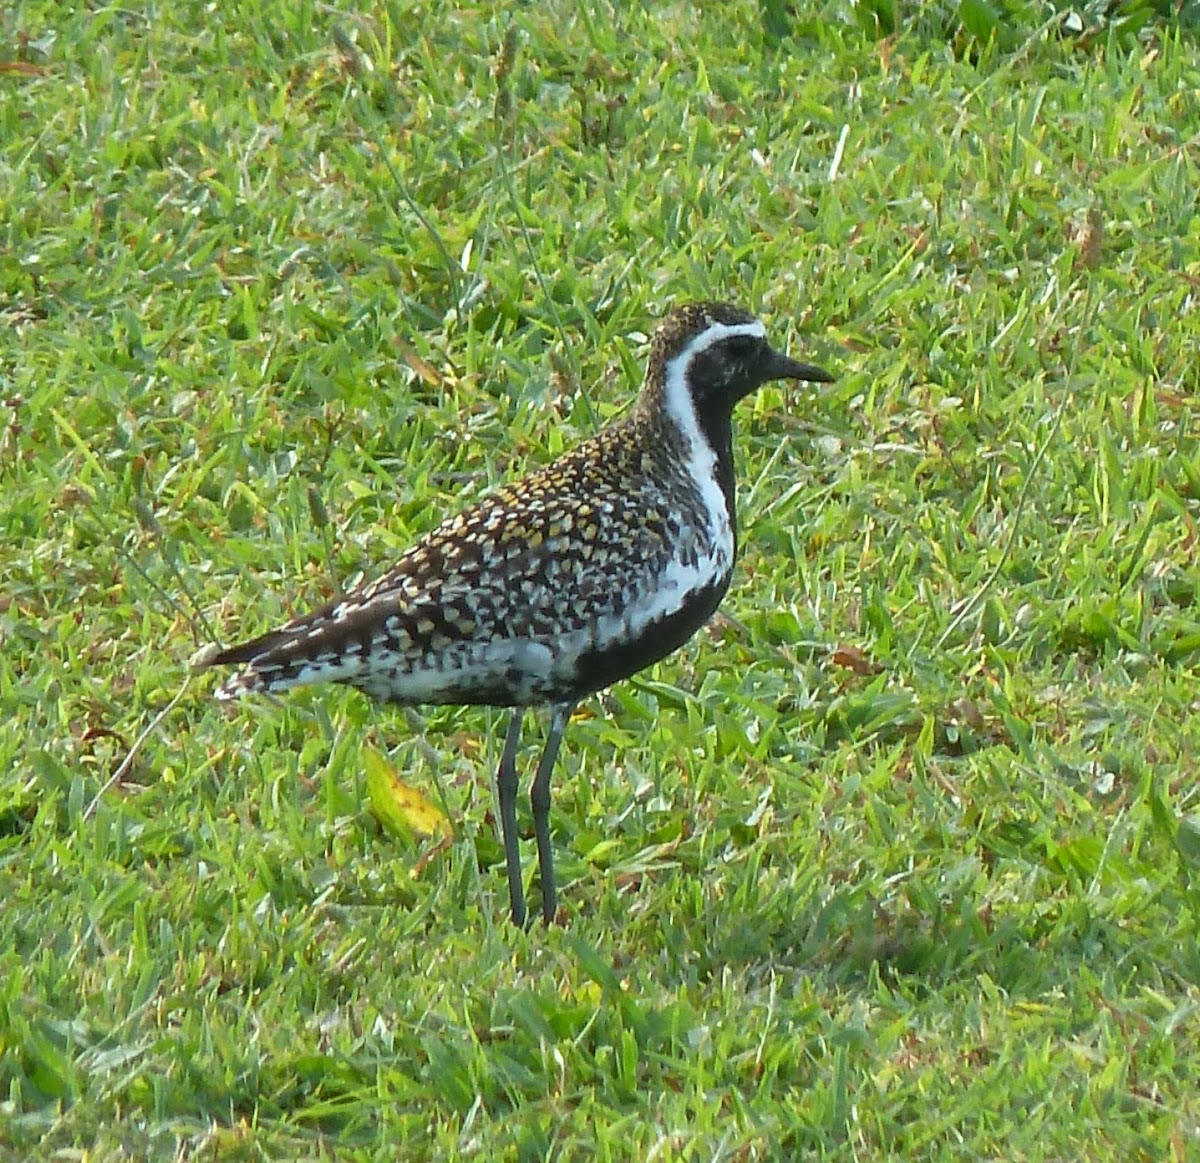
554 587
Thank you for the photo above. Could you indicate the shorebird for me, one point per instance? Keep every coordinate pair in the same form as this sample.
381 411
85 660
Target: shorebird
558 585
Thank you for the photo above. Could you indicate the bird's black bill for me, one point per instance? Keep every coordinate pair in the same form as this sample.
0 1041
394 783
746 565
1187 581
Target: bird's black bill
782 367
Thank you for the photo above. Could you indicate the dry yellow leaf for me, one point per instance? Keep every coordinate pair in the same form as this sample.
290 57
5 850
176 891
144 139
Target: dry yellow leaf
401 810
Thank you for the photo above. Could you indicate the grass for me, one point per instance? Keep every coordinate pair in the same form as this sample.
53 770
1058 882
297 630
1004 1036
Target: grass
900 858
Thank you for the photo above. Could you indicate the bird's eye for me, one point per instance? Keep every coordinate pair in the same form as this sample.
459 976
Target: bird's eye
741 346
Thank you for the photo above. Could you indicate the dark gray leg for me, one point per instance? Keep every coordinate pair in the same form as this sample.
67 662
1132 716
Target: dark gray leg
506 787
539 799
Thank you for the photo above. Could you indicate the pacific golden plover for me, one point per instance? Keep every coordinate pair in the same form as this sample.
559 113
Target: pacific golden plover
552 588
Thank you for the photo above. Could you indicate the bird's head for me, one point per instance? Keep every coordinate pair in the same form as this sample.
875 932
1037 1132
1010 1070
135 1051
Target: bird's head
705 357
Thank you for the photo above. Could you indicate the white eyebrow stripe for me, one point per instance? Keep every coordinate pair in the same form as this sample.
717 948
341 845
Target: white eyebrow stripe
714 333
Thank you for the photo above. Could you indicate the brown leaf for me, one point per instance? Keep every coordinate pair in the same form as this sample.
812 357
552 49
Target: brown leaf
423 368
23 68
426 858
1087 233
966 711
852 658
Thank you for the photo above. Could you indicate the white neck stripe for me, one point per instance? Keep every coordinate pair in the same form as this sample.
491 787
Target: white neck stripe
699 455
677 395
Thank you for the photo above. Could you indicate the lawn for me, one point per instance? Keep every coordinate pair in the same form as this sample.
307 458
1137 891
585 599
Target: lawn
899 858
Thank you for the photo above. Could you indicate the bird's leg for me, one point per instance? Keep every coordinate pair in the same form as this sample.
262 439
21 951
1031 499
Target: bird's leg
539 800
506 787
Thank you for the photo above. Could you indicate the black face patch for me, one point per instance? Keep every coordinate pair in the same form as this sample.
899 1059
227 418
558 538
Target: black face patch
727 370
742 347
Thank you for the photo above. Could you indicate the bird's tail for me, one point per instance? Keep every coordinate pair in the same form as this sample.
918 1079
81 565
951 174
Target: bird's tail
247 682
293 656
